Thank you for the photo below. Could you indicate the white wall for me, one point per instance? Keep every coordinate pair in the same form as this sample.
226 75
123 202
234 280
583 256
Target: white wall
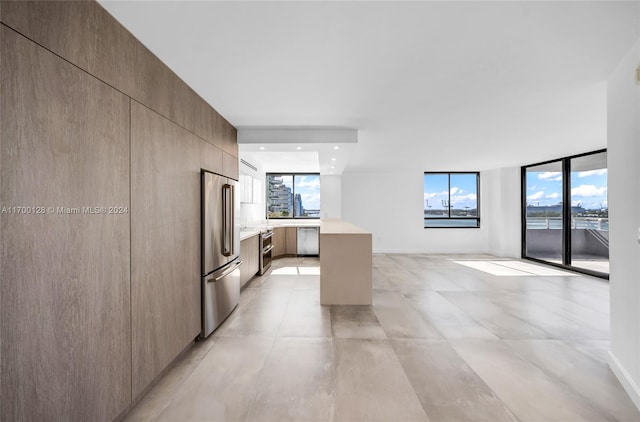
390 205
504 211
330 196
623 133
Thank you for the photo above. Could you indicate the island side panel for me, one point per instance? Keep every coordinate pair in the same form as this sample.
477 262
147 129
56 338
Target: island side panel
346 269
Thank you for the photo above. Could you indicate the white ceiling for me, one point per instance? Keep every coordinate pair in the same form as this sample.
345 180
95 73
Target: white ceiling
429 85
326 159
303 150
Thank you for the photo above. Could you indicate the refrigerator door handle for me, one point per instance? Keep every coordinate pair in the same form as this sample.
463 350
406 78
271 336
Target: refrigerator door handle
232 209
228 271
227 220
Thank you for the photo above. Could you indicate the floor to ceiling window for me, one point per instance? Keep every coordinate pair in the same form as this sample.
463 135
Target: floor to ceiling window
565 212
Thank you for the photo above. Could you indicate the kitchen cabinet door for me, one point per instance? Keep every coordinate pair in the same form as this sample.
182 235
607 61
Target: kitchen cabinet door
165 242
65 291
245 256
245 188
279 241
292 241
254 259
249 255
210 157
230 166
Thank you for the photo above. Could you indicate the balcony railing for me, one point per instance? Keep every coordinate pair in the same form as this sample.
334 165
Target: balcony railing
591 223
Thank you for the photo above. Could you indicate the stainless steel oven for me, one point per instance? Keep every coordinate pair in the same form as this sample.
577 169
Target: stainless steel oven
266 245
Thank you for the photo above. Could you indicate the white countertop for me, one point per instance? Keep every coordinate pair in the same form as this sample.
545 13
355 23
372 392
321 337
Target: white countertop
295 223
326 226
255 229
246 234
340 227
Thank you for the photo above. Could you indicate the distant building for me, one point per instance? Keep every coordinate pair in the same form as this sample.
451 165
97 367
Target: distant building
280 197
553 209
298 209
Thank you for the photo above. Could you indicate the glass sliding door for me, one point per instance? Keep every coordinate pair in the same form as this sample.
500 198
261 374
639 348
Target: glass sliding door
544 212
589 213
565 216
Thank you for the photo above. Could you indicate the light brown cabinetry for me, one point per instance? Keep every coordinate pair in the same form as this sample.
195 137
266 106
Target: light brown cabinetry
165 239
345 264
210 157
279 241
89 37
65 302
292 240
250 257
94 307
230 166
285 240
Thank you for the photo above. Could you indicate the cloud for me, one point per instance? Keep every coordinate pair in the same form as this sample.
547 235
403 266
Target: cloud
467 197
455 190
553 176
600 172
532 188
535 196
430 195
588 190
308 182
310 200
553 195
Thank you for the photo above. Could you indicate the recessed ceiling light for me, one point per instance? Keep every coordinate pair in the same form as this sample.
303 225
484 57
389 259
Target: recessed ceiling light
332 167
298 147
336 147
333 159
261 147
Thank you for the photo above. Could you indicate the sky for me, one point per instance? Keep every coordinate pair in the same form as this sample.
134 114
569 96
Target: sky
436 190
308 187
588 188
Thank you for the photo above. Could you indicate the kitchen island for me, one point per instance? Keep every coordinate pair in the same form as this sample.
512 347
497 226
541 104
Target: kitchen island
345 264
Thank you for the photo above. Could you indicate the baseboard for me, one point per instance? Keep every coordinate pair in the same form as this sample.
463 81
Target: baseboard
431 252
503 254
625 379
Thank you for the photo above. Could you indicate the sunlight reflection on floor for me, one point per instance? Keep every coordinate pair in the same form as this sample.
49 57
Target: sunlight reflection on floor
307 270
514 268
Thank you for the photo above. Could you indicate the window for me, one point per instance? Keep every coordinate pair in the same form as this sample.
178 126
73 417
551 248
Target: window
451 200
293 195
565 213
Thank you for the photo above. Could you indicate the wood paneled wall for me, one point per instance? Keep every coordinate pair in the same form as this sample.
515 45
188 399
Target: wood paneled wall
86 35
165 242
94 307
66 348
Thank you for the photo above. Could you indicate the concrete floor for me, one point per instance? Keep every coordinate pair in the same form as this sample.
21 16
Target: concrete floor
443 342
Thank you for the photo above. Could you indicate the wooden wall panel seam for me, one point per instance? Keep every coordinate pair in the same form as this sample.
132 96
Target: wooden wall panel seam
130 261
227 128
123 93
62 57
178 124
77 329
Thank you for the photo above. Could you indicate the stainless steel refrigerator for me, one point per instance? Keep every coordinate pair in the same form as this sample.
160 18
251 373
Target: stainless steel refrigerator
220 250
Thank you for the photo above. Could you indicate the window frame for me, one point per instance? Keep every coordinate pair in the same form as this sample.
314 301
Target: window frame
476 218
566 215
293 178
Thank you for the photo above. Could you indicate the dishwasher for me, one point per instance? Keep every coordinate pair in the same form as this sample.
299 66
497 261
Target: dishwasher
308 241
